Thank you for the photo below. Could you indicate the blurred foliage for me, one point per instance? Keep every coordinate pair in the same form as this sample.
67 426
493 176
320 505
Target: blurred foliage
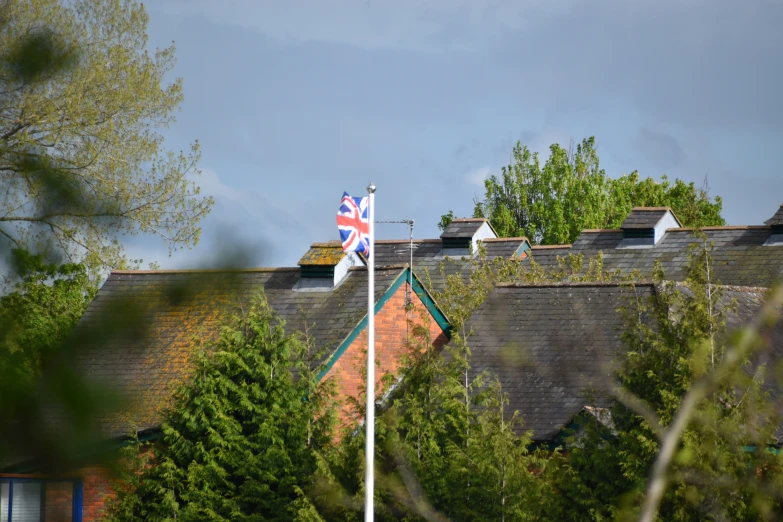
40 311
81 164
81 161
553 203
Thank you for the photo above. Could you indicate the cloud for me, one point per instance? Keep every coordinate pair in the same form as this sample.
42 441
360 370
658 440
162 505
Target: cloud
375 24
245 209
477 176
244 229
660 149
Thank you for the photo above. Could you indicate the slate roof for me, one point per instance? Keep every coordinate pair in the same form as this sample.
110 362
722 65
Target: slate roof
463 227
181 305
739 254
546 255
549 345
777 219
504 247
645 217
428 256
553 346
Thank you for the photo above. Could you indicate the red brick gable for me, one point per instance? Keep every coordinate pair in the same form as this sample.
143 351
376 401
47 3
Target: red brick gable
392 335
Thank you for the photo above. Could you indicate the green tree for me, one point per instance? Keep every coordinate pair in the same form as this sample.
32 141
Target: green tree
552 203
40 311
37 317
243 439
447 446
674 340
81 159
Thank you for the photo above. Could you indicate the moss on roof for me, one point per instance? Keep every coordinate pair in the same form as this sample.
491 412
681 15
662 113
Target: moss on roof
323 254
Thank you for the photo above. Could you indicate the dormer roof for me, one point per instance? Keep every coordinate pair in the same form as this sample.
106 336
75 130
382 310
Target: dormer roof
777 219
645 226
466 228
647 218
323 254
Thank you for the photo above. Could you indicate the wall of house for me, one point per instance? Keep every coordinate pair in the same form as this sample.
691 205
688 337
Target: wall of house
391 346
58 505
97 486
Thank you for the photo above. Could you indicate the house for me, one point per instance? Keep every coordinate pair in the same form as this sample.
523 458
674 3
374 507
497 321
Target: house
325 296
551 345
554 346
743 255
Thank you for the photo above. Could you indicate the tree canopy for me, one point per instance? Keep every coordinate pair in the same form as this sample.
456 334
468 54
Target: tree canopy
82 162
552 203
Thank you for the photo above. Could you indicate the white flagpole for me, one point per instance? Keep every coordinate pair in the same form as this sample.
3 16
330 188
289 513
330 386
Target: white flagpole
369 421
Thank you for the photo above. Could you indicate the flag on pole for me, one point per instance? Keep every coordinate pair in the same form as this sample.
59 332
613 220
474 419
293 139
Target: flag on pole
353 223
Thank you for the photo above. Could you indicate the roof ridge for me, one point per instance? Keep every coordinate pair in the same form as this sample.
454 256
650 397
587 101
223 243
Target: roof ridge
548 247
550 284
735 288
394 266
500 239
468 220
206 270
597 230
719 227
406 241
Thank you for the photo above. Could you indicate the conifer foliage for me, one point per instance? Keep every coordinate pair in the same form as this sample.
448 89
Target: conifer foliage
242 441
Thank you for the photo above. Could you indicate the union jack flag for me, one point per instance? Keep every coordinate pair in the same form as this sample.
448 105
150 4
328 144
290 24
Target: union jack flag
354 225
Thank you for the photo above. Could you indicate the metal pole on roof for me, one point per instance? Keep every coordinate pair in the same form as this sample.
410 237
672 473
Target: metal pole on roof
369 421
409 291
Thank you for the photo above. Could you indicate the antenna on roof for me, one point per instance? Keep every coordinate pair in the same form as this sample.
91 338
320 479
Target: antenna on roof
410 223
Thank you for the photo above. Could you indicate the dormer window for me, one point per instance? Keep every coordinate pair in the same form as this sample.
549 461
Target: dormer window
776 224
461 236
324 267
645 226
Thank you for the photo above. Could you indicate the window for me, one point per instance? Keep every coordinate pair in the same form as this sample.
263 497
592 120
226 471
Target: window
40 500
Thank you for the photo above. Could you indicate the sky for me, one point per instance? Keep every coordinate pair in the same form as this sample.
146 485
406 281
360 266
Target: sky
295 102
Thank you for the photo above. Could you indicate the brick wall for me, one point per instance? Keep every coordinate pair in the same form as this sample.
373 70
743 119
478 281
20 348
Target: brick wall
97 487
391 347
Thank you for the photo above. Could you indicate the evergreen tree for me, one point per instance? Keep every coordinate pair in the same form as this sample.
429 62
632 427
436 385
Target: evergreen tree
244 437
447 446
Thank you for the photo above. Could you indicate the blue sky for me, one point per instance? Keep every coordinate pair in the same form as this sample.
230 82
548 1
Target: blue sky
294 102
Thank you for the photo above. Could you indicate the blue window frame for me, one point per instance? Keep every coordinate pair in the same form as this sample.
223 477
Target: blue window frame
25 499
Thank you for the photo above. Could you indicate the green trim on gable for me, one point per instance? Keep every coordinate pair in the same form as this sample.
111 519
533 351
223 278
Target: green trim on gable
429 303
524 247
431 306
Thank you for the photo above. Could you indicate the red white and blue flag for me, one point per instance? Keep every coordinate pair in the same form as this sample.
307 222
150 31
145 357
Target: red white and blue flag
354 225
